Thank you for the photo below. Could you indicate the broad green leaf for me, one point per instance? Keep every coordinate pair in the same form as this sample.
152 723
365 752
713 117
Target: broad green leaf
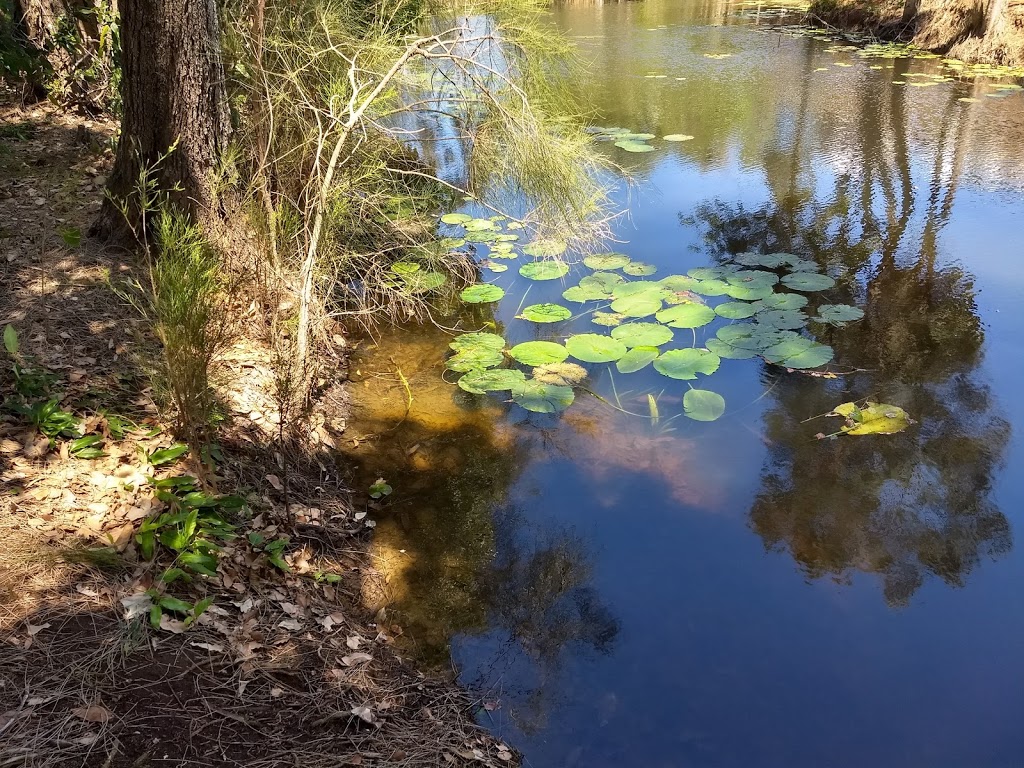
808 281
174 604
873 418
534 353
481 236
751 336
595 348
479 225
711 273
637 358
735 310
477 339
544 270
728 351
606 261
168 455
781 301
687 363
545 248
481 293
752 277
688 315
703 405
405 267
546 313
782 318
560 374
637 287
799 352
542 398
677 137
769 260
712 287
480 381
642 334
11 340
472 358
423 281
579 295
678 283
456 218
634 146
639 269
839 314
749 291
607 318
638 305
494 266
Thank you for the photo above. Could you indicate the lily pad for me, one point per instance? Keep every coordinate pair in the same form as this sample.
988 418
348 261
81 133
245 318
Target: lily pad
638 287
578 295
542 398
781 301
687 363
634 146
405 267
456 218
481 236
477 339
639 269
769 260
545 247
713 287
735 310
544 270
534 353
799 352
808 281
637 305
677 137
479 381
494 266
782 318
595 348
642 334
750 277
728 351
678 283
839 314
711 273
479 225
873 418
474 358
481 293
423 281
561 374
608 319
751 336
606 261
688 315
749 291
703 405
636 359
546 313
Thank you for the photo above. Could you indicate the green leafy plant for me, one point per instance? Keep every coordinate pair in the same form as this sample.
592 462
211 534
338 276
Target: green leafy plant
380 489
50 419
167 455
87 447
167 603
273 549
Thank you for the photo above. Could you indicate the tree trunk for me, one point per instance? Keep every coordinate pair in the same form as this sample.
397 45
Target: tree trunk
995 17
174 96
910 9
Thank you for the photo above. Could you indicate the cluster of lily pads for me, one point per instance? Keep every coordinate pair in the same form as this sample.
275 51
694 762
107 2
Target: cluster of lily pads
625 139
761 301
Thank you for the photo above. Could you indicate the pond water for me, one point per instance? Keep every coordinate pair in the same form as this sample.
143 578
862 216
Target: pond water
627 591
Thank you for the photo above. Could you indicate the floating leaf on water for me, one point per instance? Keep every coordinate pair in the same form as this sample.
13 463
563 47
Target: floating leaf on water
505 238
560 374
545 248
770 260
456 218
750 292
873 418
479 381
642 304
728 351
608 319
405 267
544 270
839 314
639 269
687 363
473 358
635 136
579 295
677 137
479 225
799 352
782 318
684 297
713 287
595 348
803 265
751 336
546 313
781 301
451 243
481 236
642 334
634 146
678 283
638 287
735 310
481 293
423 281
601 284
751 277
687 315
542 398
606 260
808 281
494 266
477 339
711 273
534 353
703 405
636 359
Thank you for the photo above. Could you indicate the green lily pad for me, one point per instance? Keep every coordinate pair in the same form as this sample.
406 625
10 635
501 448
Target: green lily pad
494 266
688 315
479 381
477 339
839 314
735 310
601 284
678 283
423 281
479 225
711 273
560 374
456 218
677 137
451 243
769 260
507 238
595 348
808 281
546 313
481 236
751 277
542 398
636 359
703 405
474 358
637 305
634 146
534 353
728 351
803 265
578 295
639 269
781 301
482 293
751 336
798 352
782 318
642 334
873 418
545 248
749 291
608 319
713 287
606 261
687 363
405 267
638 287
544 270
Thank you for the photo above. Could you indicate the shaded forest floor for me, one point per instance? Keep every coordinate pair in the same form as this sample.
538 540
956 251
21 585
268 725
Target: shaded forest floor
285 667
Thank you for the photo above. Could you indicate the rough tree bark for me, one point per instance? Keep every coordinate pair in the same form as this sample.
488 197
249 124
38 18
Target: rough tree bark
174 96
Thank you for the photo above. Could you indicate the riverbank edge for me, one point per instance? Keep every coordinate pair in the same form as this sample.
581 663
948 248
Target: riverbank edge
286 666
957 29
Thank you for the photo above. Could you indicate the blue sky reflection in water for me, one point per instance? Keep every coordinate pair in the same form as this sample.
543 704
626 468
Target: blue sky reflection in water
738 593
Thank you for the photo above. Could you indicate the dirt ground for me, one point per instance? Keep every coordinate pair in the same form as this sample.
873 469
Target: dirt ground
286 667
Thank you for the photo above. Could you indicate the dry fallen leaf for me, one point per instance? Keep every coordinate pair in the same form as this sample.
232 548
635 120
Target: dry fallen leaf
94 713
275 481
291 624
363 713
355 658
353 642
35 629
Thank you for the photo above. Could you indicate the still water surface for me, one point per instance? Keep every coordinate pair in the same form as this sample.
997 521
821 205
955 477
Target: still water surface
738 593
